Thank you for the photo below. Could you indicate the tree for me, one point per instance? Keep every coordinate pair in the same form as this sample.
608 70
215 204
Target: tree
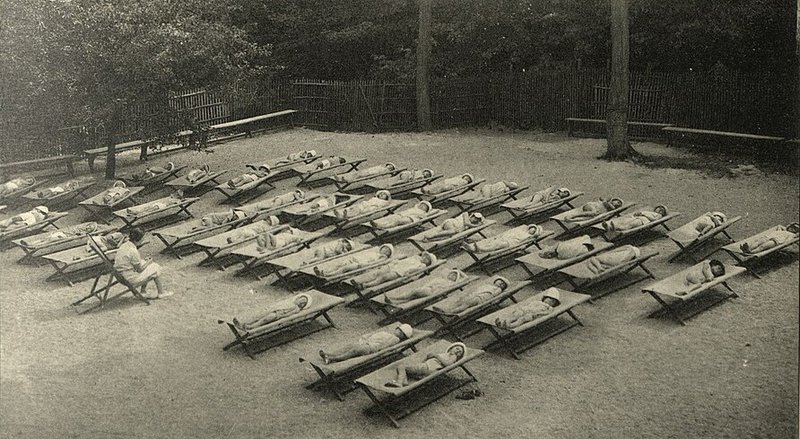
423 67
619 147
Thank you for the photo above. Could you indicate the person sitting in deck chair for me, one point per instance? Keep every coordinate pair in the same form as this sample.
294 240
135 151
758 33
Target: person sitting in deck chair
634 220
155 206
770 240
530 310
116 192
403 217
429 365
429 288
499 188
452 226
276 311
594 208
25 219
367 344
152 172
364 207
703 224
364 173
139 272
109 241
16 184
329 250
414 174
58 235
394 270
269 242
244 179
547 196
56 190
507 239
447 184
467 299
195 174
328 162
702 273
565 250
259 228
359 260
275 202
612 258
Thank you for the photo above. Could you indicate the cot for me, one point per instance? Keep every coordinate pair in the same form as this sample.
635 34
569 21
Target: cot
521 209
75 264
334 376
675 295
750 260
139 220
539 268
179 238
343 224
446 195
15 195
61 198
616 236
494 261
581 278
403 311
399 186
150 182
104 212
474 201
33 250
310 175
574 227
348 180
374 383
281 166
320 305
686 239
299 214
385 234
364 294
253 259
6 236
437 245
329 279
512 339
194 186
217 248
246 192
288 267
268 207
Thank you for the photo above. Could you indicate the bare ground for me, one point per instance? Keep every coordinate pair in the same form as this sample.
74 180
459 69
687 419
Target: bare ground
159 371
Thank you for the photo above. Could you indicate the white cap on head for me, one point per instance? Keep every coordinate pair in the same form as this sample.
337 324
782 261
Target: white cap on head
273 220
552 293
431 257
406 329
424 205
496 278
462 345
455 275
389 246
390 166
721 215
384 194
42 209
469 177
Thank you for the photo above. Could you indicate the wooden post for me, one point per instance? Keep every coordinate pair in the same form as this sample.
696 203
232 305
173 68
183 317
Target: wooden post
619 147
797 82
423 66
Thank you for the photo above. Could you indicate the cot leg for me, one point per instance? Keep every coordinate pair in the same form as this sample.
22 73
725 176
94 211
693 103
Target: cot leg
330 321
377 404
733 293
503 341
665 308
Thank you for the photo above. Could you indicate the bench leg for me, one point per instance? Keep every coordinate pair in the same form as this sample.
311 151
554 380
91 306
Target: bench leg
90 159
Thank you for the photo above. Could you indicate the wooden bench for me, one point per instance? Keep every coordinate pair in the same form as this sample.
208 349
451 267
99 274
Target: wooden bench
673 133
575 122
249 123
92 154
65 160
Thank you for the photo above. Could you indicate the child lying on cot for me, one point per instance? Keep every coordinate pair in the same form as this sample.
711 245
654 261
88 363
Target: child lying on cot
364 173
367 344
58 235
329 250
530 310
275 312
244 179
364 207
217 219
594 208
499 188
356 261
25 219
465 300
634 220
155 206
448 184
394 270
429 365
569 249
196 174
547 196
109 241
115 193
153 171
274 202
414 174
320 204
403 217
702 273
771 239
452 226
507 239
291 158
269 242
429 288
328 162
612 258
60 189
258 228
16 184
701 225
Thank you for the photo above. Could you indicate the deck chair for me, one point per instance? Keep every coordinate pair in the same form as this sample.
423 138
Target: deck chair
512 339
10 197
104 212
184 183
374 383
288 267
309 175
750 260
350 180
63 198
474 201
539 268
247 192
217 247
101 292
521 209
458 238
179 238
321 304
363 295
299 214
34 250
404 311
454 324
326 280
8 235
343 224
261 209
153 181
572 228
280 166
492 262
447 195
76 264
253 260
396 185
338 377
688 242
178 210
615 236
384 235
669 293
582 279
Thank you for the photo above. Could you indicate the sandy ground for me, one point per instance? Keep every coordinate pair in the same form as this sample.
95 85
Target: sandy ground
159 371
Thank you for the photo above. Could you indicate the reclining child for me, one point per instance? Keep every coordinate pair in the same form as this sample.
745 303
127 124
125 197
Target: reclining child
432 362
261 227
508 239
57 190
529 310
396 269
700 274
156 205
274 202
276 311
546 196
270 242
217 219
152 172
328 250
566 250
365 207
593 209
499 188
367 344
354 262
61 234
320 203
465 300
25 219
434 285
195 174
700 226
327 163
16 184
413 174
612 258
447 184
404 217
109 241
115 193
243 180
452 226
634 220
771 239
289 159
365 173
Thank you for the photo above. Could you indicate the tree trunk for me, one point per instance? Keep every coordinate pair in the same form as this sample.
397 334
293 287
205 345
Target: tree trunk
797 82
423 66
619 147
111 155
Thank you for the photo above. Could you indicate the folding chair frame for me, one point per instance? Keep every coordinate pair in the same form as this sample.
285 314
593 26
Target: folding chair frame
673 308
102 212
